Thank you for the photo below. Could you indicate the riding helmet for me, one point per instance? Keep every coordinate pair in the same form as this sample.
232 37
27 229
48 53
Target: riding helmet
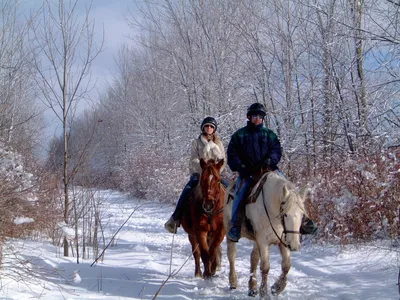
255 109
210 121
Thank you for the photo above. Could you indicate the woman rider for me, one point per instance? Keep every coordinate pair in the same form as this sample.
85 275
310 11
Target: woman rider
207 146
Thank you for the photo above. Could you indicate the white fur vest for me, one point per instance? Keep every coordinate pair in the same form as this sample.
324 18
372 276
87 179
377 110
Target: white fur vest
201 148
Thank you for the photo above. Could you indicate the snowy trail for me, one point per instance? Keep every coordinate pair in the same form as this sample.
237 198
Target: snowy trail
136 265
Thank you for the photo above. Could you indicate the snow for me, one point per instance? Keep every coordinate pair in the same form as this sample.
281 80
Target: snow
67 231
23 220
140 260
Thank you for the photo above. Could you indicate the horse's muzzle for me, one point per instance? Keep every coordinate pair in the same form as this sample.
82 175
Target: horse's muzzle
294 244
208 206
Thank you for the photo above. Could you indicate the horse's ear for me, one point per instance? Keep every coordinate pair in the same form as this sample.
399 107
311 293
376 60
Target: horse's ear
220 164
285 191
304 192
202 163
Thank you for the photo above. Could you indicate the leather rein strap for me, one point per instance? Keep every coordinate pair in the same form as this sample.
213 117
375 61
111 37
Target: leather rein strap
210 213
282 220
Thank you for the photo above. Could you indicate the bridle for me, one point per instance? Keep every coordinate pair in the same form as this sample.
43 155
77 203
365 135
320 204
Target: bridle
285 231
209 210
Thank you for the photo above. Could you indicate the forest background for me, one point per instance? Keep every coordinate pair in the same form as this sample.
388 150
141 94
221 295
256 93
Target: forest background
327 72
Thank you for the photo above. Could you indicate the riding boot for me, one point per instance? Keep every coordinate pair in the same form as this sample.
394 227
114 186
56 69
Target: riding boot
172 225
234 232
308 226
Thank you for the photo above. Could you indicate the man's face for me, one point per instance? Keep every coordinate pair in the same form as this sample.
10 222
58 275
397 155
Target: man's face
256 119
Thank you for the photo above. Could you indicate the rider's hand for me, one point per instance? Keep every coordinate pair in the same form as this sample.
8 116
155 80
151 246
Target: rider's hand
266 164
256 168
243 171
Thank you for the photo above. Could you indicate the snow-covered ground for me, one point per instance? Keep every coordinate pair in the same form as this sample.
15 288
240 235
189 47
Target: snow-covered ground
136 266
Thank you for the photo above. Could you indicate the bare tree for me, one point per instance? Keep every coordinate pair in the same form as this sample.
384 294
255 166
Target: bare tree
65 45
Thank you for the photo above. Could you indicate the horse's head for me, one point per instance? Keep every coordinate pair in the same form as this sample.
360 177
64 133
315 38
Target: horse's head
210 180
292 212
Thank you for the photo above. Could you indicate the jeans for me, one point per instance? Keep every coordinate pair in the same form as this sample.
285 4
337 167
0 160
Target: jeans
225 182
239 195
277 171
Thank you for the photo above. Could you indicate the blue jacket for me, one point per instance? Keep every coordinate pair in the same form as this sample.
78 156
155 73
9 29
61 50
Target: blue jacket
253 147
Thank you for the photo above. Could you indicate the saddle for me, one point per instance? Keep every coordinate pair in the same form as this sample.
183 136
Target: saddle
308 226
254 190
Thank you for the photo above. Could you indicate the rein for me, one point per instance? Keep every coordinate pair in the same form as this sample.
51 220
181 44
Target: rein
283 223
210 212
272 226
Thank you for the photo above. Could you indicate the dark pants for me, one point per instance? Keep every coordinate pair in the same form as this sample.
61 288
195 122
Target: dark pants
183 198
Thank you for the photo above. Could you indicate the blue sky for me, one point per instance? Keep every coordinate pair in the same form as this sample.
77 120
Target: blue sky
112 16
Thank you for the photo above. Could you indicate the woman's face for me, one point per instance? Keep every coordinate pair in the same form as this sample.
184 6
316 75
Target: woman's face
208 128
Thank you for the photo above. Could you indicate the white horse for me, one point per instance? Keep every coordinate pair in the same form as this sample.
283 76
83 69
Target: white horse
276 218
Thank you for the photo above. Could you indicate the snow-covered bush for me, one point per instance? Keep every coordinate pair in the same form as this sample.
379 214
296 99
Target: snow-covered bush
359 199
17 195
151 175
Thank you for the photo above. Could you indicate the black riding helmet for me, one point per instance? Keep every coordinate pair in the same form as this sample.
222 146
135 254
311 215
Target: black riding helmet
255 109
209 120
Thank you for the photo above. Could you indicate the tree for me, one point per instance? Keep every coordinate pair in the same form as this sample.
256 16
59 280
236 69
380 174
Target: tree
19 121
64 42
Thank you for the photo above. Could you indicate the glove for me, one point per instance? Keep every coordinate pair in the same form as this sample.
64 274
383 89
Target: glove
267 164
243 172
256 168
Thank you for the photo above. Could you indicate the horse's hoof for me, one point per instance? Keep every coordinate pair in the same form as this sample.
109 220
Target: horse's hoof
252 293
278 287
233 287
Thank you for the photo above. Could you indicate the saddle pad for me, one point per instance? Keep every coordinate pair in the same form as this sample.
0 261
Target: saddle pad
256 189
254 192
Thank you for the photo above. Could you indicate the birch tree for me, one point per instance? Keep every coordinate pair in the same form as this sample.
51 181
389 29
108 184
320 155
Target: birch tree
64 41
19 115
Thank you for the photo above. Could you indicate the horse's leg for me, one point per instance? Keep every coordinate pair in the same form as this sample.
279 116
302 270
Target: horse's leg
196 255
254 259
280 284
264 265
215 250
205 254
219 258
231 249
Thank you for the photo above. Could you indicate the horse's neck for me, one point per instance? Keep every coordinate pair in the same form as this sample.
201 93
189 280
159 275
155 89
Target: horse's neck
272 195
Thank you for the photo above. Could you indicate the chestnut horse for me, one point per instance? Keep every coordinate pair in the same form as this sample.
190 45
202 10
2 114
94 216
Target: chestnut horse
275 217
204 221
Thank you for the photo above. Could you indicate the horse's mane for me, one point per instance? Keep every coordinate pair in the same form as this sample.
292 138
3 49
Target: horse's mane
211 165
290 200
196 194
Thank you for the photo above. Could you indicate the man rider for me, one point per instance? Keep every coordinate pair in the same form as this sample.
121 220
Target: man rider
252 149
